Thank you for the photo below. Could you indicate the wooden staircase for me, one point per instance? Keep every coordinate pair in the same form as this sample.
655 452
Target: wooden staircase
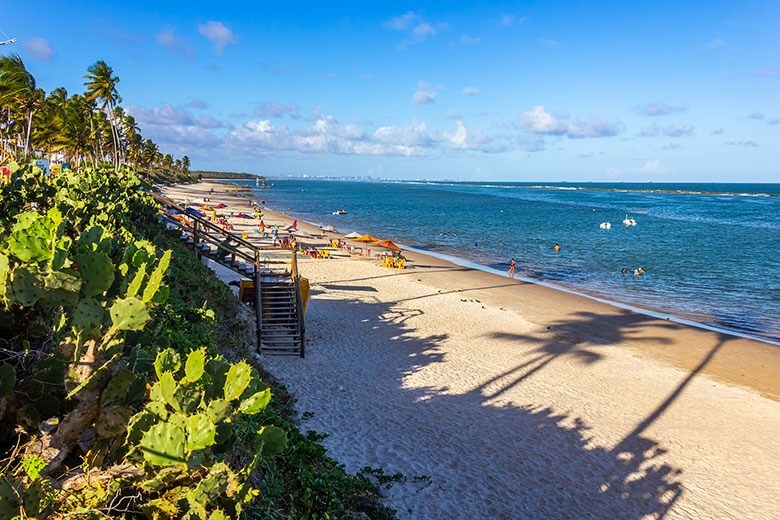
276 283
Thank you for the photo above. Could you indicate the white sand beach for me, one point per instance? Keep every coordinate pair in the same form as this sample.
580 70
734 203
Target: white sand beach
514 400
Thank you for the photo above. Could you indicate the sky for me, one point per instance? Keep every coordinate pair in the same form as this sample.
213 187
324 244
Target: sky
507 91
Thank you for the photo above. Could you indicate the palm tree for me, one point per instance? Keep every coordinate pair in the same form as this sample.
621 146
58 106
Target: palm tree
76 131
48 122
101 85
148 153
131 138
167 161
18 92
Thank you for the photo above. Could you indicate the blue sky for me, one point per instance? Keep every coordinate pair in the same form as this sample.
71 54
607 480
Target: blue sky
513 91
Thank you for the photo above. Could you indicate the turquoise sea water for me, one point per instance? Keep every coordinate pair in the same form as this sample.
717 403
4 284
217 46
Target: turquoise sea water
711 252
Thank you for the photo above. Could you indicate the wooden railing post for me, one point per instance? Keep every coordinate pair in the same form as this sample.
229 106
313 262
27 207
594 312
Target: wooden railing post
258 308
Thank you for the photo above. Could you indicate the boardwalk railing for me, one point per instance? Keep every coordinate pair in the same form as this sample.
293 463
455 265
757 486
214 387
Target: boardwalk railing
273 270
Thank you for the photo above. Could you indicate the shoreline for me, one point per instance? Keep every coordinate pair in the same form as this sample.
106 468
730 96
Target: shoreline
658 314
737 320
519 400
756 366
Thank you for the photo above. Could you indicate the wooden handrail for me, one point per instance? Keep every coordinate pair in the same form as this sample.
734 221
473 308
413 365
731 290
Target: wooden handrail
254 256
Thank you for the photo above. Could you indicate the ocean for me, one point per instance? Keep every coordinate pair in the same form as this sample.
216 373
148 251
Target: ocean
710 252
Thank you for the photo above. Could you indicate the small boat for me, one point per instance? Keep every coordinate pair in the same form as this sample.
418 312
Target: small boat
629 221
605 225
340 212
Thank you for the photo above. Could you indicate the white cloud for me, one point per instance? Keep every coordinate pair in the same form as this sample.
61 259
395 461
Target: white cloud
166 39
276 109
199 103
367 77
471 139
417 28
218 34
400 23
326 135
661 109
755 115
425 93
38 48
548 43
717 43
539 121
674 130
167 115
594 126
469 40
747 143
471 91
510 20
717 131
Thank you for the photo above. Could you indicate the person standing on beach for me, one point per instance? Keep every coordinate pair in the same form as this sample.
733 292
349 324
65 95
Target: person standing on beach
511 268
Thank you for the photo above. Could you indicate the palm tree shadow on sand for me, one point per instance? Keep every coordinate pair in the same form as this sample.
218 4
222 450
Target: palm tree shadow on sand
554 468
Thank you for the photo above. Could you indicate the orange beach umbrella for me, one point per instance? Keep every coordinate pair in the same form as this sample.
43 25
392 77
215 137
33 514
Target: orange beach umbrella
366 238
387 244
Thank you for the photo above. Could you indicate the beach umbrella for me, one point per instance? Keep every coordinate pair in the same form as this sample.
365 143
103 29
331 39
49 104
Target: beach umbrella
367 238
352 235
300 233
387 244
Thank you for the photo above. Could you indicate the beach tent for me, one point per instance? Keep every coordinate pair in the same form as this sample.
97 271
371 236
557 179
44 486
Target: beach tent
328 228
387 244
367 238
354 234
300 233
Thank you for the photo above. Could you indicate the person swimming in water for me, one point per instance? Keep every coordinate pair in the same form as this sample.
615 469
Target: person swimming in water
557 248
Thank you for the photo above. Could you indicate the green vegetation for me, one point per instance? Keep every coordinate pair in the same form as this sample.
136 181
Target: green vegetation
89 128
125 389
203 174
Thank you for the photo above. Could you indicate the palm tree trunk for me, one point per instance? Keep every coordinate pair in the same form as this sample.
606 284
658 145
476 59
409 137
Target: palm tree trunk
27 137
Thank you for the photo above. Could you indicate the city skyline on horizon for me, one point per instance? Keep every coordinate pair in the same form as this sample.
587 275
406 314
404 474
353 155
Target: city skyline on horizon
528 91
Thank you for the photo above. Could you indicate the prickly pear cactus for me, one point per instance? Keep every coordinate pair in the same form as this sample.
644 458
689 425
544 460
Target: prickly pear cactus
129 314
184 426
97 272
27 287
163 444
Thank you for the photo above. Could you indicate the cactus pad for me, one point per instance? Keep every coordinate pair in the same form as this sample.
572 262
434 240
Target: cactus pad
129 314
87 312
201 432
271 440
256 402
97 272
163 445
196 361
167 360
238 377
27 287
